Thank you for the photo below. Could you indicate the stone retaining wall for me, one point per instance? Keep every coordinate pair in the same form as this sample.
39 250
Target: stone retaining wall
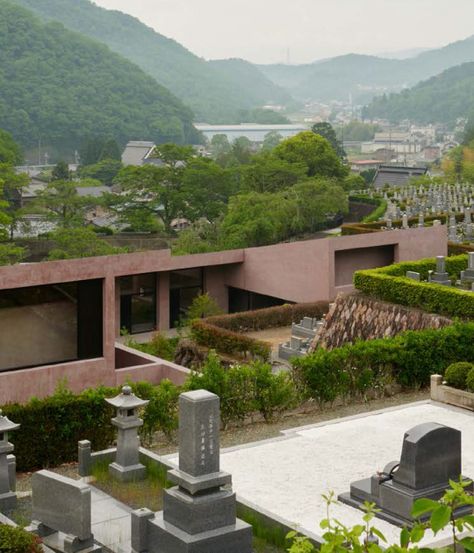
355 316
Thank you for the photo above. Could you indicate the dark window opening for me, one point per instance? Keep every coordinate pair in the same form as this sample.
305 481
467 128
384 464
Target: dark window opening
138 303
243 300
185 285
50 324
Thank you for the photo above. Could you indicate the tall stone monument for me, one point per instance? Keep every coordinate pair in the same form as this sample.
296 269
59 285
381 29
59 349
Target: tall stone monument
431 456
468 274
127 466
199 514
7 465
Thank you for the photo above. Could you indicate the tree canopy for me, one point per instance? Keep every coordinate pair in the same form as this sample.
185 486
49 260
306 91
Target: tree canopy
315 152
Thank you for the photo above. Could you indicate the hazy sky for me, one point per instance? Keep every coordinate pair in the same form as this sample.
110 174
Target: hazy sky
264 30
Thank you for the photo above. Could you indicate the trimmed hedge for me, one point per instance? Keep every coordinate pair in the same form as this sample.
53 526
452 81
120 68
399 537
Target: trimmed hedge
51 427
224 332
407 359
269 317
227 341
390 284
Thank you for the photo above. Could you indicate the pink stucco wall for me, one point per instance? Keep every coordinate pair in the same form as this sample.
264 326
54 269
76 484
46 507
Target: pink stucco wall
305 271
297 271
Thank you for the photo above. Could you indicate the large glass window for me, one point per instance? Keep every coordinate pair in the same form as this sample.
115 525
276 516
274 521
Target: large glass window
185 285
43 325
138 303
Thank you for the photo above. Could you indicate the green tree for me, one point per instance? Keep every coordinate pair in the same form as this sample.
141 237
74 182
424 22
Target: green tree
104 171
71 243
221 150
326 130
271 140
11 188
61 203
61 171
242 150
110 150
146 192
11 254
10 152
173 155
206 188
255 219
316 201
315 152
266 173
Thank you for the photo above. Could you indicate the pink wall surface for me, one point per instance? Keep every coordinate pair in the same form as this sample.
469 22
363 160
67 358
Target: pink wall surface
296 271
305 271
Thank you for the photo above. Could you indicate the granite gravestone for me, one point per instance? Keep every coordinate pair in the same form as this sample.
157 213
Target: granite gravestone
431 456
62 513
440 276
199 514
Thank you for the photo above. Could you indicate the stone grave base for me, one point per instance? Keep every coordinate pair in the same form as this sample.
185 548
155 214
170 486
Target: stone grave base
394 501
62 543
132 473
163 537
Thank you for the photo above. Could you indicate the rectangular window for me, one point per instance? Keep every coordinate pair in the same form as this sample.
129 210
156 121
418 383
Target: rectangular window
42 325
138 303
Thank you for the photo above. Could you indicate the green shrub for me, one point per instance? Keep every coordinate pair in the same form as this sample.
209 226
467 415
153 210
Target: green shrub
162 411
14 539
407 359
456 374
470 380
159 346
390 284
51 427
274 393
201 307
227 341
245 389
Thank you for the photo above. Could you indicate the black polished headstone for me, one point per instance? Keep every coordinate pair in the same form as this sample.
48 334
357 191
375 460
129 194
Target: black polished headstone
431 456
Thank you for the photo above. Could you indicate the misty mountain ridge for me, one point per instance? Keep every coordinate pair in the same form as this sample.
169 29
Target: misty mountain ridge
365 76
207 88
443 98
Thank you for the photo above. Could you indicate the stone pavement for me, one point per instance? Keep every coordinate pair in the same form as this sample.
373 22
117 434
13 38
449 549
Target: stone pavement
111 524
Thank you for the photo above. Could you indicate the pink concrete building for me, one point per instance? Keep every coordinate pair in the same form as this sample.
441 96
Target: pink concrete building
59 320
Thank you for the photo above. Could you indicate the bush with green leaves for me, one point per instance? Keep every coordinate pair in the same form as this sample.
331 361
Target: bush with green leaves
159 346
456 374
370 367
201 307
14 539
245 389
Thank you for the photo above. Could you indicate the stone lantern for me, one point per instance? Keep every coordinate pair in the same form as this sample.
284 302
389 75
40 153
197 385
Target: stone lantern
127 466
7 465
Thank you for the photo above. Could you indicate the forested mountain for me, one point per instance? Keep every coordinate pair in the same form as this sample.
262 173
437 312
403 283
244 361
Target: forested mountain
208 88
443 98
366 76
58 87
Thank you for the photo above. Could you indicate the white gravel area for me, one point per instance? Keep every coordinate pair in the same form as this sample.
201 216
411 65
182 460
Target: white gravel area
286 476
